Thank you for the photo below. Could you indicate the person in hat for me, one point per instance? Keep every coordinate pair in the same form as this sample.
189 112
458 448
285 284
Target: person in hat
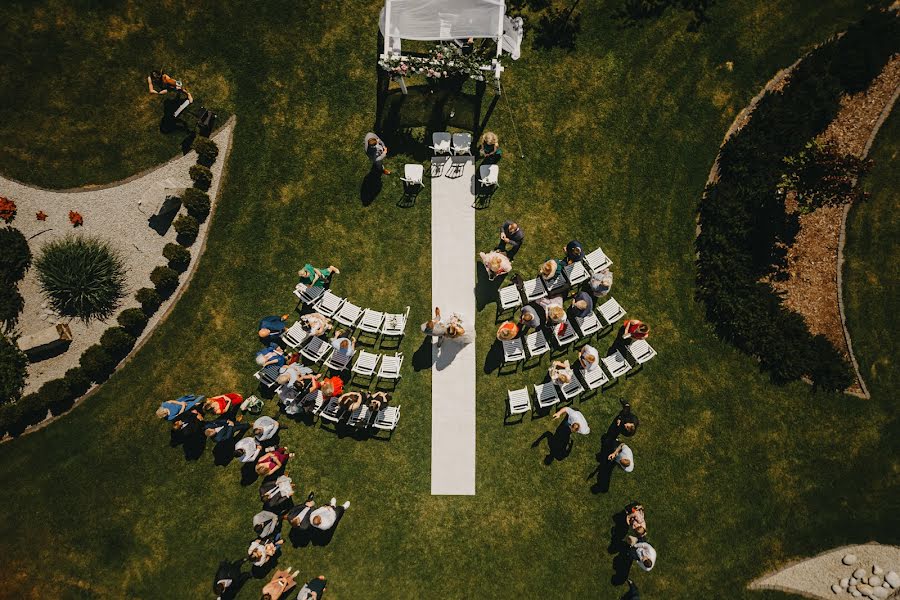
574 252
561 372
496 263
600 283
507 331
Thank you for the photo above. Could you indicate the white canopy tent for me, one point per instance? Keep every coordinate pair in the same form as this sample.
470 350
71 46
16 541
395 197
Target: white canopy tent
447 20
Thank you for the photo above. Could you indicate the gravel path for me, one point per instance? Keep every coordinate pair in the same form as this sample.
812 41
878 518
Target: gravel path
119 214
814 577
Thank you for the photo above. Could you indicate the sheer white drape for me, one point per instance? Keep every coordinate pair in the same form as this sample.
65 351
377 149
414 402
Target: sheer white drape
444 19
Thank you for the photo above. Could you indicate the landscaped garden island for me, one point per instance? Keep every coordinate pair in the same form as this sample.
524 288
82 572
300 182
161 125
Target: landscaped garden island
378 291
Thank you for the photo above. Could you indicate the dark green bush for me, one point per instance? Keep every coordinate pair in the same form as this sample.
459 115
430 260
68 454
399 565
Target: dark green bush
13 365
55 394
11 304
97 363
178 256
15 257
206 149
201 176
34 408
12 420
78 382
149 299
829 370
197 203
117 342
187 228
165 280
81 277
132 320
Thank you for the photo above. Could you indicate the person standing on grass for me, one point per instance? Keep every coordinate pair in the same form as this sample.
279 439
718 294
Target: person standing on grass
298 516
222 430
377 152
574 419
271 328
622 456
511 238
325 517
265 524
281 582
264 428
632 593
642 552
160 83
314 589
247 450
271 462
625 423
229 579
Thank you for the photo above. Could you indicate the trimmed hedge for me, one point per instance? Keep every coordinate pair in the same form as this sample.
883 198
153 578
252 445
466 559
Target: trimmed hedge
97 364
132 320
178 256
165 280
187 228
201 176
13 364
117 342
197 203
78 382
16 256
206 149
11 304
55 394
150 300
744 226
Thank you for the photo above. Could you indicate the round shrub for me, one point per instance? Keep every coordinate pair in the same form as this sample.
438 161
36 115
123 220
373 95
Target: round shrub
201 175
197 203
97 363
11 304
206 149
56 395
179 257
13 365
34 409
82 277
78 382
132 320
12 418
165 280
117 342
187 228
16 256
149 299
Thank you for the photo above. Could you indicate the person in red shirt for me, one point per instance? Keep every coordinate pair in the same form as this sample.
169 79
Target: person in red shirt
223 404
271 462
632 328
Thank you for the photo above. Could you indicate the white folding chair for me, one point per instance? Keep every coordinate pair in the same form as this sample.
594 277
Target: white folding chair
328 304
462 143
571 389
390 366
310 295
588 325
641 351
597 261
610 311
316 349
359 417
371 322
616 365
394 324
534 289
576 273
316 399
412 174
338 361
557 282
594 378
546 394
332 411
440 142
565 338
267 376
519 401
348 315
513 351
509 298
299 289
295 336
387 418
536 343
365 363
489 175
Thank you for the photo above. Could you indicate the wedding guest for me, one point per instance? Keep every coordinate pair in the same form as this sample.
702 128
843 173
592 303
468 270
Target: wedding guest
377 152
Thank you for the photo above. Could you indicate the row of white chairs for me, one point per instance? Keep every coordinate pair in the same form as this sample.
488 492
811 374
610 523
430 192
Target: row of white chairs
549 394
319 350
363 417
372 322
535 343
488 175
443 142
571 275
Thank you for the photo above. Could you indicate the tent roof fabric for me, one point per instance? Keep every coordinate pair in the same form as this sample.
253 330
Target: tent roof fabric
443 19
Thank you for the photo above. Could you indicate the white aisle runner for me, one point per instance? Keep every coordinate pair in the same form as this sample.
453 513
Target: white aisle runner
453 373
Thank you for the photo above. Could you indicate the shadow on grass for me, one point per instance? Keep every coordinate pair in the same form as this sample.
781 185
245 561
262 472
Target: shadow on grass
494 359
192 446
485 290
559 443
423 357
370 187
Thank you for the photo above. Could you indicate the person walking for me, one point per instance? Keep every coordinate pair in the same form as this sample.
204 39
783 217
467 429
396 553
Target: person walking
642 552
325 517
377 152
511 238
574 419
265 524
622 456
625 423
281 582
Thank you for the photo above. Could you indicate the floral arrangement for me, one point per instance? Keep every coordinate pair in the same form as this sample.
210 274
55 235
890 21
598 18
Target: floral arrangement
75 218
7 210
443 62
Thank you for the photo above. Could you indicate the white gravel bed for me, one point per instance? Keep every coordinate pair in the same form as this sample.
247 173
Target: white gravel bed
119 214
814 577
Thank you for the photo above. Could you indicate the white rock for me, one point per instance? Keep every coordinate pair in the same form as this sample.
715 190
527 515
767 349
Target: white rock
880 593
864 588
856 594
859 573
836 589
893 579
875 581
876 570
854 581
849 559
886 584
845 582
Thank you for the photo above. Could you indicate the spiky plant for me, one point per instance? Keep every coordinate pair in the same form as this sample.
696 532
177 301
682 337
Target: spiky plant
82 277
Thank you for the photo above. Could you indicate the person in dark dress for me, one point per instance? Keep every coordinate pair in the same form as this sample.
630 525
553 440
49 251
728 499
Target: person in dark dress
625 423
188 424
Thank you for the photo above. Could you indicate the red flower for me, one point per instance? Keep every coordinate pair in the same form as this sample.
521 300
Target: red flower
7 210
41 215
75 218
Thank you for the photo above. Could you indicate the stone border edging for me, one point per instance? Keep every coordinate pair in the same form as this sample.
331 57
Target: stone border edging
176 296
756 586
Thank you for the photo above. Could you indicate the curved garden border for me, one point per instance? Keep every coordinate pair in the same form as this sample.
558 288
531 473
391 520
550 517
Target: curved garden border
168 305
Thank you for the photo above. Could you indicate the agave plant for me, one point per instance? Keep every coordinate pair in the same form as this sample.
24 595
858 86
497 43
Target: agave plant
81 277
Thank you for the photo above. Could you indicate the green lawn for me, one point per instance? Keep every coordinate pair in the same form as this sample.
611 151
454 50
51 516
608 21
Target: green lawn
737 475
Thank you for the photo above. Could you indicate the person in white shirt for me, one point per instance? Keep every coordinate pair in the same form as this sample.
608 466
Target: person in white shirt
247 450
623 456
574 419
261 551
343 345
643 553
264 428
561 372
589 358
325 517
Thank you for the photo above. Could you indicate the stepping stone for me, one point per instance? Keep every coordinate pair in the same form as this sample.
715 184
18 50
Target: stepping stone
849 559
893 579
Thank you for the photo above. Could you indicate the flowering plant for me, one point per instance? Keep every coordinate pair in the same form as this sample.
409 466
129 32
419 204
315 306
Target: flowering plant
443 61
7 210
75 218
